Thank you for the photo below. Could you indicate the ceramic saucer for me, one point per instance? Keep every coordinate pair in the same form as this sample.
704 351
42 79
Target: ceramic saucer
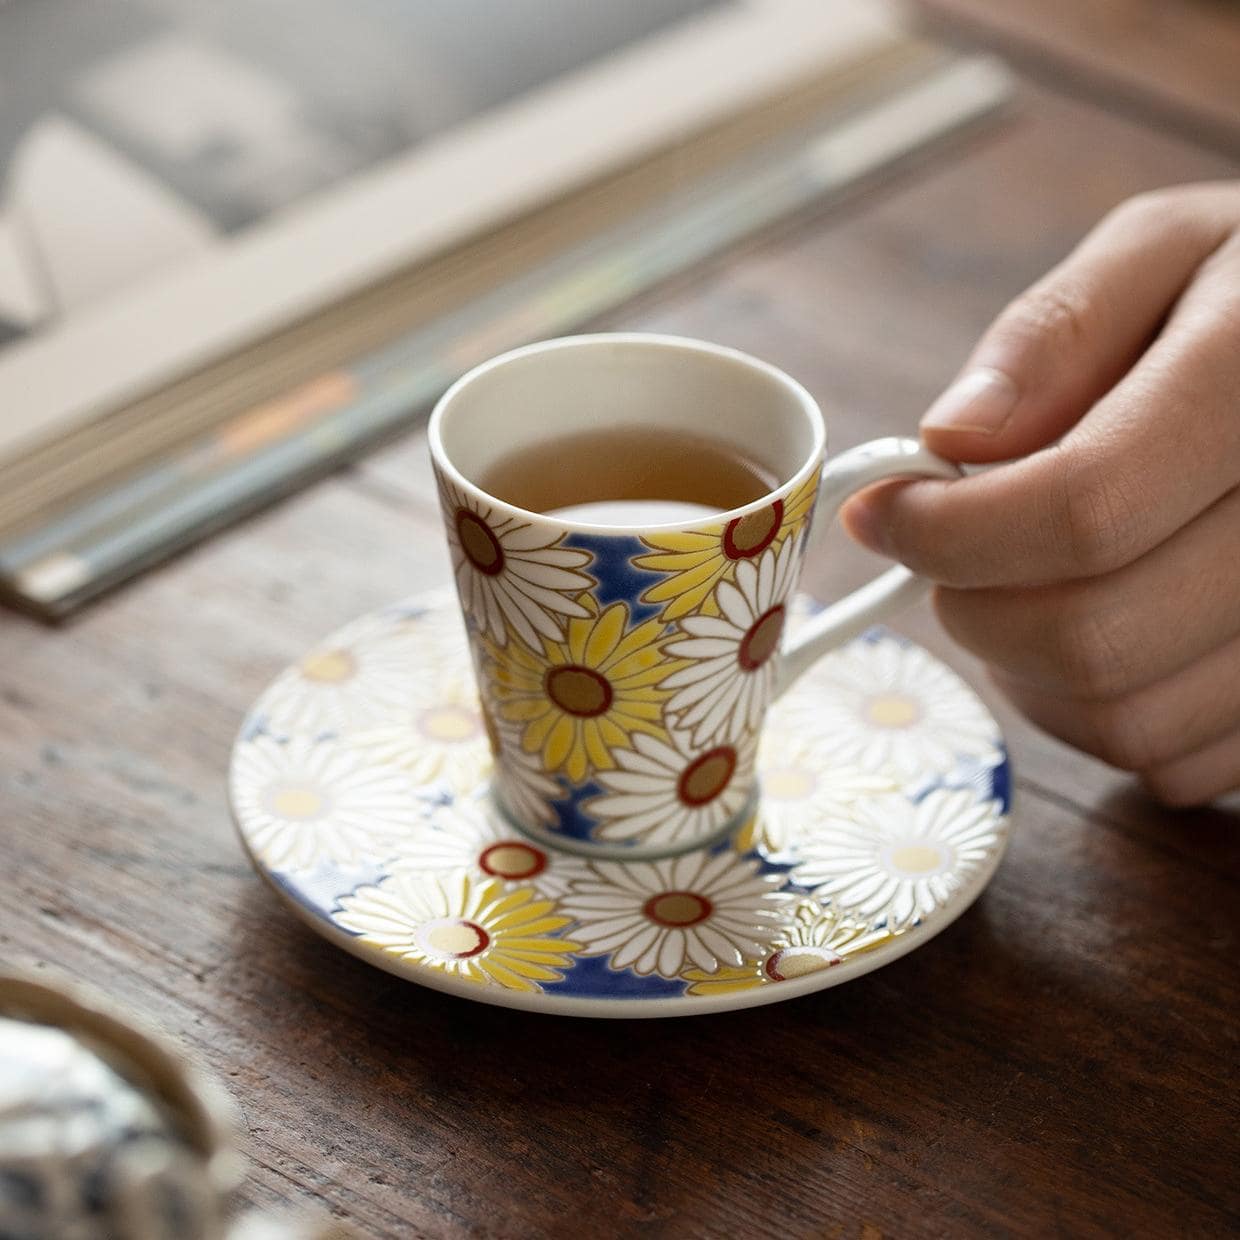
358 783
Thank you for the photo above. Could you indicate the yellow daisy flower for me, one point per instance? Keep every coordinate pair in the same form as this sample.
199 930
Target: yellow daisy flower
698 560
478 930
813 940
586 694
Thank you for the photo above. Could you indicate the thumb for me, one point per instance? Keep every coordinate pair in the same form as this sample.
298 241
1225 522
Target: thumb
1064 343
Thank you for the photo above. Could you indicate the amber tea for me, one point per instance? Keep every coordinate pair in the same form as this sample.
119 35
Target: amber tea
628 476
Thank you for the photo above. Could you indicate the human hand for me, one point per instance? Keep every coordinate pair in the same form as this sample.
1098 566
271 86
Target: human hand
1098 575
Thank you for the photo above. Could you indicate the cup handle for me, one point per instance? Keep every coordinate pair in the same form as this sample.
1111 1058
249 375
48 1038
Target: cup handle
897 587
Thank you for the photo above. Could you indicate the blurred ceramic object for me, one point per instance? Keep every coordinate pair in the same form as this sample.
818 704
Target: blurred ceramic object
107 1133
290 1227
84 1154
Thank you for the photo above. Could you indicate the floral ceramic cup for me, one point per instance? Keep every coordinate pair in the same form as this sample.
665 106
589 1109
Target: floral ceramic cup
625 671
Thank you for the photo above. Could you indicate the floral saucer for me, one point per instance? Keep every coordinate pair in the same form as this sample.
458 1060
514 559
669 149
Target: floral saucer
359 786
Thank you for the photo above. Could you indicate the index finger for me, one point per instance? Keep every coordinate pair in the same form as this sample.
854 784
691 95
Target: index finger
1154 452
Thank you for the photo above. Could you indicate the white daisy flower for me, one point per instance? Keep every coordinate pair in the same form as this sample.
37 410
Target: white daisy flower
443 741
341 686
666 793
895 862
885 706
799 786
472 835
437 636
300 804
653 916
725 691
469 927
811 940
371 672
512 575
523 785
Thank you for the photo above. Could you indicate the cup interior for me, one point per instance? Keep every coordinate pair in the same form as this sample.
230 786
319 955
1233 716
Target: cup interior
534 396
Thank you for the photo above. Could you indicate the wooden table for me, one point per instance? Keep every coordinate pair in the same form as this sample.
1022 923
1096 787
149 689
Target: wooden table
1061 1061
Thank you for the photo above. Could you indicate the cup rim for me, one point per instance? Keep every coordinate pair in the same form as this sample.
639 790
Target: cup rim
808 405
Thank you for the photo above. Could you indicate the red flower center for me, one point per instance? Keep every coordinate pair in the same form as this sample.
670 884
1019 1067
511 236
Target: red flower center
578 690
750 535
790 962
706 776
455 939
677 909
479 544
512 859
762 638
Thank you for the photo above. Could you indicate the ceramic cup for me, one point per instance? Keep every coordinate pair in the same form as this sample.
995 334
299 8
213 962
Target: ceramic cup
625 670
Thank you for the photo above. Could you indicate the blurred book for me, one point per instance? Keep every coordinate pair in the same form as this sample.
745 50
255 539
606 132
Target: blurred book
240 242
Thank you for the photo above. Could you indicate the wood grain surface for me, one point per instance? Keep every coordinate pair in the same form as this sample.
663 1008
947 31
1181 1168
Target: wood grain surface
1060 1062
1174 61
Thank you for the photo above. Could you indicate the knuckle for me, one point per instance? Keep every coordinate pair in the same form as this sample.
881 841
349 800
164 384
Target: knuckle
1205 320
1058 315
911 540
1091 647
1224 328
1172 787
1126 735
1211 320
1153 207
1101 522
1196 209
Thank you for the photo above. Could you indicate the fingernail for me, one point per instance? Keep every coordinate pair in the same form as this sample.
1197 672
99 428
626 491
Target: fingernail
980 401
863 525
